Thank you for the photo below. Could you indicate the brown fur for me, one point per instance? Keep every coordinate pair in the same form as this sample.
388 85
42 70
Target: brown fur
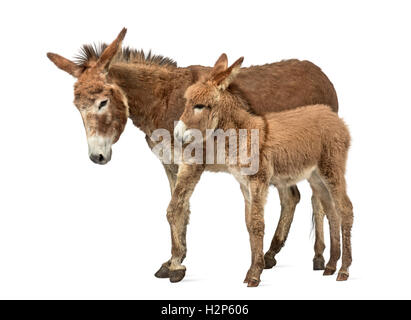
150 90
309 142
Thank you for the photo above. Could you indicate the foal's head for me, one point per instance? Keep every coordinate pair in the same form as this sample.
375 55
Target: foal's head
102 104
207 102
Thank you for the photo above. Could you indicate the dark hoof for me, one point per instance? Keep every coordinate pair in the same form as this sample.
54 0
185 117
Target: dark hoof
269 262
177 275
253 283
163 272
342 276
318 265
247 277
328 272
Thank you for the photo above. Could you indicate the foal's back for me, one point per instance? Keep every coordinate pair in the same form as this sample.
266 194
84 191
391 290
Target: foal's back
298 139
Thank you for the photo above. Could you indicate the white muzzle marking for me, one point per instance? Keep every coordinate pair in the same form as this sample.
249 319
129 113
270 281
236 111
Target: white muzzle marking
99 148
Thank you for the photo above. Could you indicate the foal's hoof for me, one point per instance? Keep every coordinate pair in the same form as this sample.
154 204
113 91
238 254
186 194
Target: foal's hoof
328 271
318 264
342 276
269 262
177 275
163 272
253 283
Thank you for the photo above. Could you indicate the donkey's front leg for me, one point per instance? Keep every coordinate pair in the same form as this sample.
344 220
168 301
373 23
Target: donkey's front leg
177 216
255 227
171 171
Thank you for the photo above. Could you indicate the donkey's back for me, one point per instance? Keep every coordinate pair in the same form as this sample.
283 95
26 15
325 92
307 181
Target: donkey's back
280 86
286 85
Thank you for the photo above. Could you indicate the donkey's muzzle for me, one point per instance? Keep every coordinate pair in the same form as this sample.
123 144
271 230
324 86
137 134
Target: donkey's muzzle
100 158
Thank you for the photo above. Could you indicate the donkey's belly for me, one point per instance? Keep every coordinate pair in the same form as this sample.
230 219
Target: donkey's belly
292 179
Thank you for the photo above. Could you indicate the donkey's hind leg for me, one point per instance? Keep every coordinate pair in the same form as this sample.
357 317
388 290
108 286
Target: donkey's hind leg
321 189
289 197
318 219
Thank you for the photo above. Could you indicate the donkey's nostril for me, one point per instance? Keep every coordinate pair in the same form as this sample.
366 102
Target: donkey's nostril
98 158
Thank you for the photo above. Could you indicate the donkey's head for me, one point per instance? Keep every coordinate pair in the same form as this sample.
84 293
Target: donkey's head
207 101
102 104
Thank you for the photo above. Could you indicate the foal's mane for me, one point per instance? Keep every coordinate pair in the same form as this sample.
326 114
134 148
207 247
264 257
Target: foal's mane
91 52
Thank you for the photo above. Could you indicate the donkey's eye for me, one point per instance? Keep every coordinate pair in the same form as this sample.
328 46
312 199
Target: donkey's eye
102 104
199 106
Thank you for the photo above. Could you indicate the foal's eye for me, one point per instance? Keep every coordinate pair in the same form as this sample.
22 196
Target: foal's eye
199 106
102 104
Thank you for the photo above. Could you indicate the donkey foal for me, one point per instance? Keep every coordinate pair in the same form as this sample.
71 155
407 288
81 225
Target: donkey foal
310 143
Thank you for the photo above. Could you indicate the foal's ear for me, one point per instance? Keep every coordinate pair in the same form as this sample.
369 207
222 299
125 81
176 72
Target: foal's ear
65 64
220 65
223 79
109 53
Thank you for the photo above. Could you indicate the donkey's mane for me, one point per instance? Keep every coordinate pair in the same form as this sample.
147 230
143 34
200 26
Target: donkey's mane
91 52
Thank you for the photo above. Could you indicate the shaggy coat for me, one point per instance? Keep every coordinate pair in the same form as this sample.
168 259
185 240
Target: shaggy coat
310 143
115 83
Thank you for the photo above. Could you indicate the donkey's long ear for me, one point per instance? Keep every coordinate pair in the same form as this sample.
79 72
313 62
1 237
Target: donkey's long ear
65 64
223 79
109 53
220 65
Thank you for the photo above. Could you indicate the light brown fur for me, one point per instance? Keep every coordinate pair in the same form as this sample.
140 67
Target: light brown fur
150 90
309 142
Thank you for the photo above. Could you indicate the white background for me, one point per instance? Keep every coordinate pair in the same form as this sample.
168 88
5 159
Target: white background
72 229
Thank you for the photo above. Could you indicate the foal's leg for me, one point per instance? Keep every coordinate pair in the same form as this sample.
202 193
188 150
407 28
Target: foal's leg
336 184
320 188
255 227
178 215
289 197
346 210
319 245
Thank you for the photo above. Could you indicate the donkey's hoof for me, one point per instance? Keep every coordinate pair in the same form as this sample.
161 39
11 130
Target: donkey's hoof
269 262
342 276
163 272
248 276
328 271
177 275
253 283
318 264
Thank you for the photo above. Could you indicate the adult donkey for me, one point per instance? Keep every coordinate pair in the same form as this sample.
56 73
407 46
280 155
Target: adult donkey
114 83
